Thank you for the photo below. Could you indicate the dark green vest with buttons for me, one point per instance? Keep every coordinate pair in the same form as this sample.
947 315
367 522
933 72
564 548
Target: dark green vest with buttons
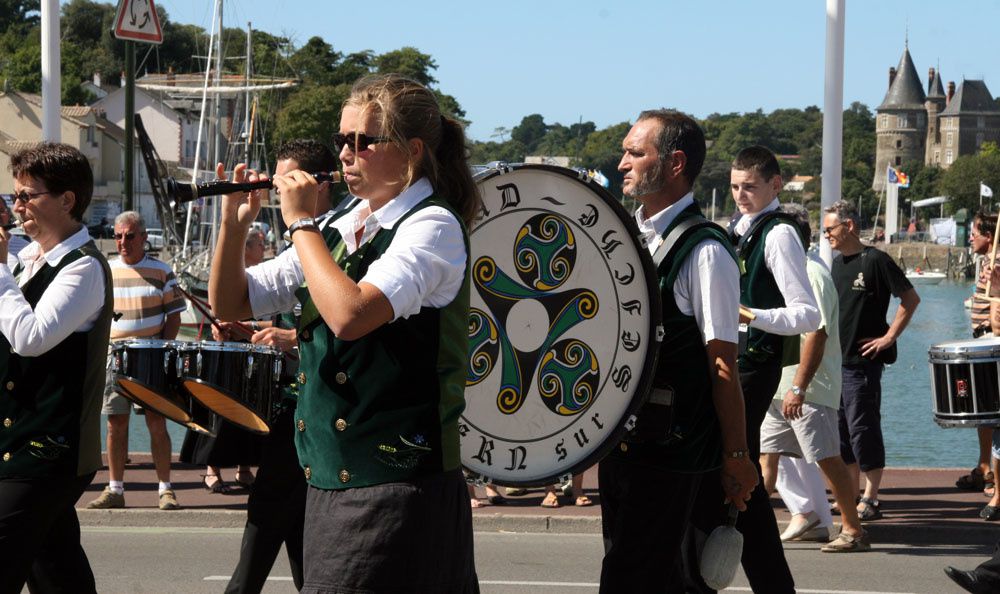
385 407
694 445
51 404
759 290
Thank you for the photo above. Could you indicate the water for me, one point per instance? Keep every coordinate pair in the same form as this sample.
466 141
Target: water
912 438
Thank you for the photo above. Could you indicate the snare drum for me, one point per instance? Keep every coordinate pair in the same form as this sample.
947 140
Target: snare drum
237 381
965 382
146 373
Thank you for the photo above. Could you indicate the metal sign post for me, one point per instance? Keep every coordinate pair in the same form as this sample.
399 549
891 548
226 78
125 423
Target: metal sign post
136 21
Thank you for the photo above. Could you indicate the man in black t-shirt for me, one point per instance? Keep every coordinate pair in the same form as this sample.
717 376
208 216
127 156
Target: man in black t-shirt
865 279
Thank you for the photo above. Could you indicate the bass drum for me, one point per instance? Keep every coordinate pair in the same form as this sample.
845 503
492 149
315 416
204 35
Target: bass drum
563 327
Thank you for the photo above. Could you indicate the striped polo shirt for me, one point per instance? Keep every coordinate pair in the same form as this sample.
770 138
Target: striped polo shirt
145 294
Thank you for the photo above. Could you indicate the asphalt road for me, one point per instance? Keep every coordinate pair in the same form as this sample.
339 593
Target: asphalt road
191 560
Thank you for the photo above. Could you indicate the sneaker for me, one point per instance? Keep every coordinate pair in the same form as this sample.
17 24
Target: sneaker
108 500
845 543
168 500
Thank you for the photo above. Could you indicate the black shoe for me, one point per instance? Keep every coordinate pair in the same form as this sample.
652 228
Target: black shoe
970 581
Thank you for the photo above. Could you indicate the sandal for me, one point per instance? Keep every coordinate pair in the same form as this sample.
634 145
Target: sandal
990 513
218 486
583 501
989 490
551 500
477 503
974 481
869 510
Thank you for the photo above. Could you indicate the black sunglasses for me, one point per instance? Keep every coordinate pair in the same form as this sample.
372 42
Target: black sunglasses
356 141
128 236
828 230
26 196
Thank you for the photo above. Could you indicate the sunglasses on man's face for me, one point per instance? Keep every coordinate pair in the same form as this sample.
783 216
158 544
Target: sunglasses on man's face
26 196
126 236
356 141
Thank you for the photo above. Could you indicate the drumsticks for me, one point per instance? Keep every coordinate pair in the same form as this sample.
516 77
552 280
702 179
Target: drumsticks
204 309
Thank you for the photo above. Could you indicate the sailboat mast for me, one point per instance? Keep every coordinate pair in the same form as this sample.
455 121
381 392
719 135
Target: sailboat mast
246 117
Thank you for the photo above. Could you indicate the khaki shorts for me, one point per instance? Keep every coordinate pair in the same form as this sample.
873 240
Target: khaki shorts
114 402
813 436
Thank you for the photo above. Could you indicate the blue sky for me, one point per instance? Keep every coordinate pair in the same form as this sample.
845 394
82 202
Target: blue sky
605 61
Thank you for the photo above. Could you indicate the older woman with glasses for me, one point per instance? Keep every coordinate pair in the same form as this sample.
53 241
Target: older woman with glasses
384 294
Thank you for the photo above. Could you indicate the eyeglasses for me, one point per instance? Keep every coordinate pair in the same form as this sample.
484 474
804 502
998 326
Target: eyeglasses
356 141
127 236
828 230
26 196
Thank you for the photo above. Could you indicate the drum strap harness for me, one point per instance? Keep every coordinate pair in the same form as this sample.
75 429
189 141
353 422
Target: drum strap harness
655 423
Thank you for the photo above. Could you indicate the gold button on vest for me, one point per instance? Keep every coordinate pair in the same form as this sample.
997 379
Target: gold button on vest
345 476
302 377
301 425
6 456
308 472
8 422
340 378
624 446
10 385
340 424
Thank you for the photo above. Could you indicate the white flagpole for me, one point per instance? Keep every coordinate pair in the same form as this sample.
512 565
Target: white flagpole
833 114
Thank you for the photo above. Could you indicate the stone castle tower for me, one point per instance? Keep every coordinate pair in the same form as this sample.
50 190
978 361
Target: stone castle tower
934 127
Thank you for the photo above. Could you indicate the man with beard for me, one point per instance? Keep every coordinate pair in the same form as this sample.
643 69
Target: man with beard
694 423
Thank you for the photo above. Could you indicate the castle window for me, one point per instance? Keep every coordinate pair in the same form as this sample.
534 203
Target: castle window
981 122
899 144
920 120
902 122
885 121
948 157
951 139
937 156
899 161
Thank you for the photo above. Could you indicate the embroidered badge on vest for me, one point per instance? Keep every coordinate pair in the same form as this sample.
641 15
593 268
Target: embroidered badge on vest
404 453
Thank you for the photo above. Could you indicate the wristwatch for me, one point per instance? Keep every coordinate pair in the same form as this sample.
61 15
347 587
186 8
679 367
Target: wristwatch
303 223
796 391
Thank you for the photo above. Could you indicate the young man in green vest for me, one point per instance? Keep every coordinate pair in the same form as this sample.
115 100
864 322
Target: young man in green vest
648 483
778 301
55 319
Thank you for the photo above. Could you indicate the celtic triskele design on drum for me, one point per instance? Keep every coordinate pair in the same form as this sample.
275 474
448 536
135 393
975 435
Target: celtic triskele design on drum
562 325
544 255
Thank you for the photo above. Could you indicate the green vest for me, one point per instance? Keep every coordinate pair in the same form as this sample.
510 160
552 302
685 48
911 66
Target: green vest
51 404
759 290
385 407
695 445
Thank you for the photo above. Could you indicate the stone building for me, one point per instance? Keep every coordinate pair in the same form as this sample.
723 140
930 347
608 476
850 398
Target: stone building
933 126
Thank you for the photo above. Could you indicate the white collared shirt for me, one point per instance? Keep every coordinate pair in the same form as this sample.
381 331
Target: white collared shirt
71 303
424 265
785 258
708 282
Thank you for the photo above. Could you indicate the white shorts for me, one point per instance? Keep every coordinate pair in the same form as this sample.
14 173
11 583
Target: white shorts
813 436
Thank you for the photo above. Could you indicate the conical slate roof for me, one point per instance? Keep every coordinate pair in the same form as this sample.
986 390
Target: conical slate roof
936 90
905 92
972 96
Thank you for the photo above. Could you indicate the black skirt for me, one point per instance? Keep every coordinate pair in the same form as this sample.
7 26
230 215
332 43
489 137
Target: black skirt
231 446
406 537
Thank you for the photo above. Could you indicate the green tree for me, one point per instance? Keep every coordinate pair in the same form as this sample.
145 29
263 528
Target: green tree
316 62
530 131
410 62
22 14
312 112
961 180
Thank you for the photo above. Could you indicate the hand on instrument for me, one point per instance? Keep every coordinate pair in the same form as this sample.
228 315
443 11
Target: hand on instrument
298 192
280 338
739 477
229 332
242 207
870 347
791 406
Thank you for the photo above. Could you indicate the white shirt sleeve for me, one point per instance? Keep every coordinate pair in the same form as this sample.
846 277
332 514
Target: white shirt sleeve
424 265
272 284
708 287
71 303
785 257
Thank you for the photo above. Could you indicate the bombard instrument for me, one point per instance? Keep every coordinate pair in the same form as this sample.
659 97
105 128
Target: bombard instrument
180 192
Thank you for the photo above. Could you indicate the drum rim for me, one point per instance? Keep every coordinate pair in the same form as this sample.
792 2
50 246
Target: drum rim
145 343
648 372
216 346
